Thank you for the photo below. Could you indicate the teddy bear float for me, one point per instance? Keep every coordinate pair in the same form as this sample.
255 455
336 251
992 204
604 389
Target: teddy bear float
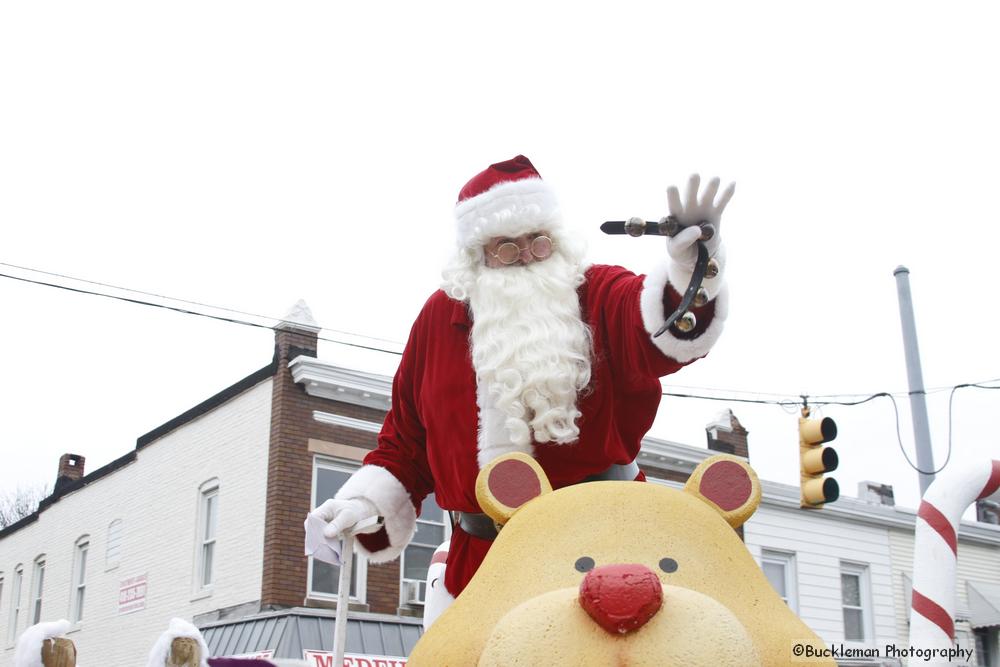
616 573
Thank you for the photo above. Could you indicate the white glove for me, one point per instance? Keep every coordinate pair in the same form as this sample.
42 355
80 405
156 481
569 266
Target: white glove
682 248
342 515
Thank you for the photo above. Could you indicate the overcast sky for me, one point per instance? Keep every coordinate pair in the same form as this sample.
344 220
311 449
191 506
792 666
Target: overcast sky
248 154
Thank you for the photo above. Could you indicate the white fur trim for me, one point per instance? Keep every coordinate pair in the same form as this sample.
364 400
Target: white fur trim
29 645
651 304
494 438
178 628
512 208
381 488
680 276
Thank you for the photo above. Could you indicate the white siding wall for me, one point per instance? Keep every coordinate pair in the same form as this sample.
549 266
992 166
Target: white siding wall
157 497
820 542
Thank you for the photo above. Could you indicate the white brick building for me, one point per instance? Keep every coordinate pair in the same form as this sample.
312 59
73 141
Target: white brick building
144 519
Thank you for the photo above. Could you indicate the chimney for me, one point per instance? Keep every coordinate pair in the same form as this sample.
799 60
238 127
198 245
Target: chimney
988 511
70 470
727 435
297 334
876 493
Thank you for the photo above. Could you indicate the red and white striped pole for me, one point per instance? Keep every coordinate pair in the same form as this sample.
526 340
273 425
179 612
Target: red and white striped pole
935 550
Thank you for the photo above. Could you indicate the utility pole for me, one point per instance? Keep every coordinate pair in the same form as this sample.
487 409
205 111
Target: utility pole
918 397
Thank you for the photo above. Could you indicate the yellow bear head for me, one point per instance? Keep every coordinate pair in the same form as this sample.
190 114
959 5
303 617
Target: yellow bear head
616 573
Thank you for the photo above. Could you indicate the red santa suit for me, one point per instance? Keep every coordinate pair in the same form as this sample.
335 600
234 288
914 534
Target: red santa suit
428 443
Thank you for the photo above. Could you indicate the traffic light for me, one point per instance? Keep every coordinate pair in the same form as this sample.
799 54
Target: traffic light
815 460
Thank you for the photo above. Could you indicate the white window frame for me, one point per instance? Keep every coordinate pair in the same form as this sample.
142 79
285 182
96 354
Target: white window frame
37 589
15 603
861 571
208 492
113 546
786 559
404 583
78 584
360 569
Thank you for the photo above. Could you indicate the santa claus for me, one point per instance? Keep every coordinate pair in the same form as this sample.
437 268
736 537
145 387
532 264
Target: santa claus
527 348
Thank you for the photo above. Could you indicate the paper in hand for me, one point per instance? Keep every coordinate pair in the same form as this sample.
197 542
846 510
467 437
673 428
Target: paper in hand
318 545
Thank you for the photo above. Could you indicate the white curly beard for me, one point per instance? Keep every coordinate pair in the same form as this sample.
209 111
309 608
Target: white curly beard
531 354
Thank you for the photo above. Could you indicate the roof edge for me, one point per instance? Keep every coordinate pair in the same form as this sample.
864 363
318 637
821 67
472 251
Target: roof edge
207 405
69 488
202 408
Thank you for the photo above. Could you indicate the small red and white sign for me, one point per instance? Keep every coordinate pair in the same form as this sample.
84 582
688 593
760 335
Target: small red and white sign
132 594
326 658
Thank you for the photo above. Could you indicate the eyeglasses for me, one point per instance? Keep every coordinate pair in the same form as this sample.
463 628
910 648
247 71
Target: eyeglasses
509 252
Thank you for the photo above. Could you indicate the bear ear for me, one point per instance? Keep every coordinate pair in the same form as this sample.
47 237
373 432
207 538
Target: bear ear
508 482
729 485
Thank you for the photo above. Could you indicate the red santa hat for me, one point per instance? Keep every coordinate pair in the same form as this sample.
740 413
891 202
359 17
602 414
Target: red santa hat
506 199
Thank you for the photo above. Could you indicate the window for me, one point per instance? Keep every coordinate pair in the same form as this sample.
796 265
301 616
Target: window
208 513
37 586
79 579
779 568
113 552
855 598
432 530
324 578
15 604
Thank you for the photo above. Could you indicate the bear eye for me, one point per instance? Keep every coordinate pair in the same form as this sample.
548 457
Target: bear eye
668 565
584 564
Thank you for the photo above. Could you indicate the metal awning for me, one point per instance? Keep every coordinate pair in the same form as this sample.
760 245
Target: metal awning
984 604
289 632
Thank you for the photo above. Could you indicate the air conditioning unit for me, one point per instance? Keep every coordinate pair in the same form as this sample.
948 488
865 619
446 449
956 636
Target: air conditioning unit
413 591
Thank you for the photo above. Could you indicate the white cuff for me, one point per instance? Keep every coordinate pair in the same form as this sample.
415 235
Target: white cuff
680 275
653 316
381 488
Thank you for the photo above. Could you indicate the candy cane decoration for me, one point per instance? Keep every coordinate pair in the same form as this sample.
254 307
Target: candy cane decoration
935 550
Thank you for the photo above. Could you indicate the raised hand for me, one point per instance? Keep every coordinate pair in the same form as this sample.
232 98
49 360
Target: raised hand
692 211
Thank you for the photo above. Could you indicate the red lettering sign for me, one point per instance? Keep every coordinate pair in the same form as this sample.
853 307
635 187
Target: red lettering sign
325 659
132 594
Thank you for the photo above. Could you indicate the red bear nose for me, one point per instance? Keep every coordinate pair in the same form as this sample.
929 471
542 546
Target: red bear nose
621 598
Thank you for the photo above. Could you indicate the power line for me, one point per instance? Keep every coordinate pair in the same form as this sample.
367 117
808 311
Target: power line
866 399
276 320
785 403
185 311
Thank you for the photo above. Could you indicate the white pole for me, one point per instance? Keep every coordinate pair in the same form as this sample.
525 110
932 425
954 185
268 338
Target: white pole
343 598
370 525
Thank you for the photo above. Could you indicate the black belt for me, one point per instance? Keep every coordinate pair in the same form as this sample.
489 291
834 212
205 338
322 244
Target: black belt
480 525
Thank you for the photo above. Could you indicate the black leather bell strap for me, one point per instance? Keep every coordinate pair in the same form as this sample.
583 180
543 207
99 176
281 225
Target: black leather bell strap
699 274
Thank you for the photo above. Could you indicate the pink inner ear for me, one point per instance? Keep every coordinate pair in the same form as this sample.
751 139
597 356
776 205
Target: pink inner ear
726 484
514 483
